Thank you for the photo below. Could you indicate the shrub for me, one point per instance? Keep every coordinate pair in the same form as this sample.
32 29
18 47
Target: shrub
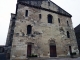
32 55
74 53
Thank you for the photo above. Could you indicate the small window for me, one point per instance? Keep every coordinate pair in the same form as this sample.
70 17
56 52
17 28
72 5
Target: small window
59 20
29 29
50 18
40 16
48 3
70 50
68 34
67 23
26 13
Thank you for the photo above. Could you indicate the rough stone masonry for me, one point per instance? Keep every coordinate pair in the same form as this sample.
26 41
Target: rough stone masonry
40 29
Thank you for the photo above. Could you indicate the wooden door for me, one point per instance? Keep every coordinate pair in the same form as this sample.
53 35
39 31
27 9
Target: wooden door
29 50
53 51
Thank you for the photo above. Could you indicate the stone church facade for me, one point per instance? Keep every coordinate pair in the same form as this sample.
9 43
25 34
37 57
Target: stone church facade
40 28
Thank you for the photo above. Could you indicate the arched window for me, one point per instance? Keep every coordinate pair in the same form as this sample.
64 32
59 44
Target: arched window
26 14
68 34
50 18
40 16
59 20
29 29
48 3
67 23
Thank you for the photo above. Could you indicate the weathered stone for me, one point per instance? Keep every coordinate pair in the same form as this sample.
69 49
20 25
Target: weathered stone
43 33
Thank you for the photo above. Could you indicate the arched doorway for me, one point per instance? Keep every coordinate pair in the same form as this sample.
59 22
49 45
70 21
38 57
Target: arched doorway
52 49
29 49
70 51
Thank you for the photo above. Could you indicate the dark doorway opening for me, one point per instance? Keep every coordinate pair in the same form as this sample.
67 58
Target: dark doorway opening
70 50
53 51
29 50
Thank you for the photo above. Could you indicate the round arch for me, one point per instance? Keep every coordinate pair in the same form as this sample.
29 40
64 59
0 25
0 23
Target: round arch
50 17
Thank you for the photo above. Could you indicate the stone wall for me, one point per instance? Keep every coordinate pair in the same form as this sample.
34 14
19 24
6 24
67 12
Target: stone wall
42 33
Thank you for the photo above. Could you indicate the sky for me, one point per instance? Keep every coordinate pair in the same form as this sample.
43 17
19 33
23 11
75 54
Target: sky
9 6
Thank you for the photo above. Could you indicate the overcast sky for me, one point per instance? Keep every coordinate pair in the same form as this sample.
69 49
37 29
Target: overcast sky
8 6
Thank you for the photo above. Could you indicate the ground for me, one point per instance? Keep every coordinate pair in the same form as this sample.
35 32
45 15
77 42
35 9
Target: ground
56 59
66 59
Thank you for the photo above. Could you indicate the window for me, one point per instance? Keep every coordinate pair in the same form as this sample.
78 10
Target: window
50 18
29 29
26 13
68 34
70 50
58 20
1 50
48 3
40 16
67 23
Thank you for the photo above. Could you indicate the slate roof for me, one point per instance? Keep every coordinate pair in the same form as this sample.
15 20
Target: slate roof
77 28
37 3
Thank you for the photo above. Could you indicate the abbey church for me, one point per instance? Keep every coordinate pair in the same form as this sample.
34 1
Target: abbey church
40 28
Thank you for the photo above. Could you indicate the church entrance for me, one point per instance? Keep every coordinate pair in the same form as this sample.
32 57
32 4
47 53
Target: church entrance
29 48
70 50
53 51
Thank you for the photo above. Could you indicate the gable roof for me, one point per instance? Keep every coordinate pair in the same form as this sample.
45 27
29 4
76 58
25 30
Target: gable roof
38 3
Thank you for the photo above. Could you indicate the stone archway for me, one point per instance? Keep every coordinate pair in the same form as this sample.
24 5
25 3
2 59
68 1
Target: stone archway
52 46
29 49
